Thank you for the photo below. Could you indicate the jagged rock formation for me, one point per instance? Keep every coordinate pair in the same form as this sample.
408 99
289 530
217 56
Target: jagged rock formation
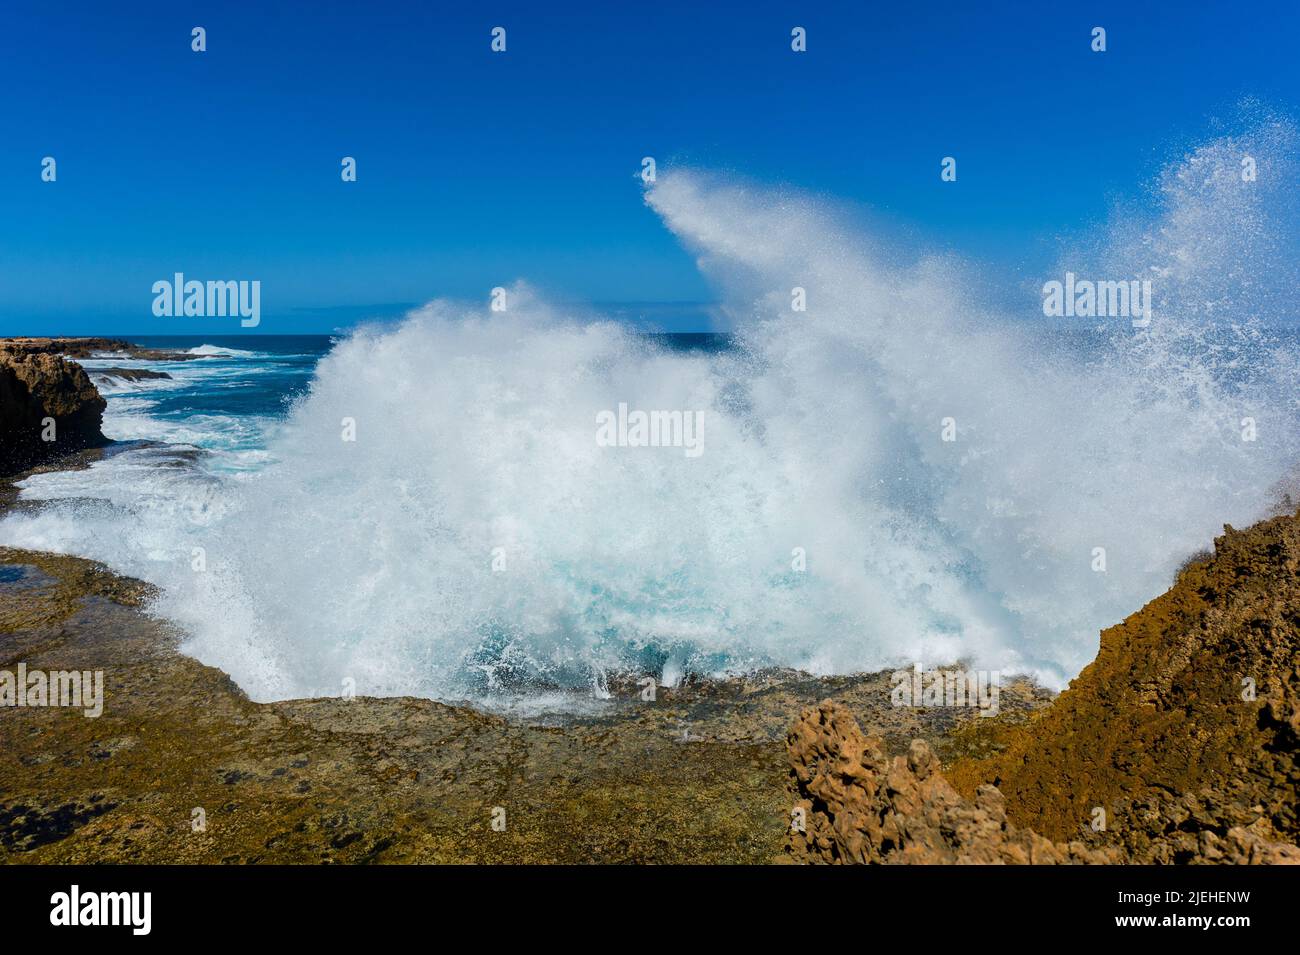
37 387
859 805
1181 739
1186 728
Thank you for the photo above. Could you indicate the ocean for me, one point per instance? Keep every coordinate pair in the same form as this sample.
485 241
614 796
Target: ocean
908 471
227 403
230 402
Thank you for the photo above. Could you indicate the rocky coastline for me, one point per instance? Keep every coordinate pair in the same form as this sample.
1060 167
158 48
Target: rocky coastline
696 775
1184 733
48 408
1179 744
92 348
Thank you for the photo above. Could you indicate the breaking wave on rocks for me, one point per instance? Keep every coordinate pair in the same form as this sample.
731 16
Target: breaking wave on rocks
476 541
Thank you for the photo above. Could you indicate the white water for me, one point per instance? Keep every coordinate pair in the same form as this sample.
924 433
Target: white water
373 560
213 351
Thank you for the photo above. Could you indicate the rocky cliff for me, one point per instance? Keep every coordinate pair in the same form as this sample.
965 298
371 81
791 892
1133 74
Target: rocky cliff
48 407
1178 744
1185 731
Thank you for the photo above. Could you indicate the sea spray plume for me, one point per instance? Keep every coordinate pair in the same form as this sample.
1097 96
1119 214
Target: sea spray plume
374 558
475 539
1056 457
1223 255
474 434
852 395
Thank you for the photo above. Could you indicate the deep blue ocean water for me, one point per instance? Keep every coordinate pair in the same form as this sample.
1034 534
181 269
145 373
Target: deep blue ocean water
260 375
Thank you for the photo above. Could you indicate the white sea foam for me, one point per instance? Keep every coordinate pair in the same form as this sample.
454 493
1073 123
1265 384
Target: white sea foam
113 385
373 560
214 351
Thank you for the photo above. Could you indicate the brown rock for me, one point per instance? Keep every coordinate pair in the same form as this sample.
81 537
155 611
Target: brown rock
1186 728
861 806
35 388
90 347
67 347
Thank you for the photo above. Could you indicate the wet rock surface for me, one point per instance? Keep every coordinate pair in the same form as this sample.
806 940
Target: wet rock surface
102 375
696 775
183 767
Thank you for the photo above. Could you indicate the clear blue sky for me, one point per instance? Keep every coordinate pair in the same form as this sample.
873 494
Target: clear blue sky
476 169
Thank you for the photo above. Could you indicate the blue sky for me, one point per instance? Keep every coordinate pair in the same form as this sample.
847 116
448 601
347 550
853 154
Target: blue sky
475 169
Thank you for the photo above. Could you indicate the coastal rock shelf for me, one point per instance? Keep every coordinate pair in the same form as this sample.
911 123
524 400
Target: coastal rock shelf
696 776
1185 770
92 348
